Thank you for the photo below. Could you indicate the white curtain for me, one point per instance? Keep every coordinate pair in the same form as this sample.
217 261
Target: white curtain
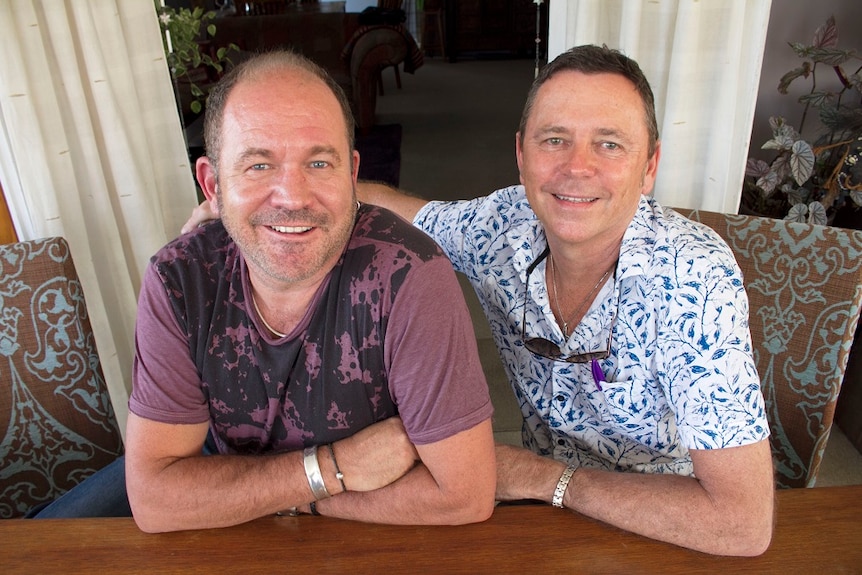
91 149
703 61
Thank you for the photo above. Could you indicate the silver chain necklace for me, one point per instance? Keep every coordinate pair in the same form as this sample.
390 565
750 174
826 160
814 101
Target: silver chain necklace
583 303
269 327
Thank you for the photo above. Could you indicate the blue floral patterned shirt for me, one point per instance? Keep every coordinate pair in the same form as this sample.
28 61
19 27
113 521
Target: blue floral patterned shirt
680 374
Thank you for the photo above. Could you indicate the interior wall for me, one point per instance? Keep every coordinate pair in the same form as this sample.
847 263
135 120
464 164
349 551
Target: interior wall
797 22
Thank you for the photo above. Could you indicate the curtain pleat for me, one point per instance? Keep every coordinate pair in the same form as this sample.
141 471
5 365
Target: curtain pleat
93 151
703 61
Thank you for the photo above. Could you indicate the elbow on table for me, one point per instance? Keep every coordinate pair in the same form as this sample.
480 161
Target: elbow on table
150 516
150 522
759 542
472 509
750 540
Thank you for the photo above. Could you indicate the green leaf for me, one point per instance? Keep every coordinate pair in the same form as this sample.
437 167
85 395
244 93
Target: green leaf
781 166
768 183
797 213
801 50
817 99
781 142
801 161
817 214
196 106
211 29
755 167
795 195
786 79
775 123
830 56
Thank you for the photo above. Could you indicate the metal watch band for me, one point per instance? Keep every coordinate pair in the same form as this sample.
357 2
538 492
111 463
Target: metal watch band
312 473
562 484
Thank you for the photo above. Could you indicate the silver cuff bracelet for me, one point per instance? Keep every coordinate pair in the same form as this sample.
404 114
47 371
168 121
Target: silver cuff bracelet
312 473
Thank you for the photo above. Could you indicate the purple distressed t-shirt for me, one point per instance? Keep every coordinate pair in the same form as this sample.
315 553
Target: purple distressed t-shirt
388 333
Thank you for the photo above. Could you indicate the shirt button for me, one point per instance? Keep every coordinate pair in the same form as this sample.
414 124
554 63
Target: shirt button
560 398
561 442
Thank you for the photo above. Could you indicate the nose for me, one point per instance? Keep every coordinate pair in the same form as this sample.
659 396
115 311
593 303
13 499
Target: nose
289 188
580 160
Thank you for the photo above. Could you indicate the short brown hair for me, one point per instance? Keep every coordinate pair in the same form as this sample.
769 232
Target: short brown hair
591 59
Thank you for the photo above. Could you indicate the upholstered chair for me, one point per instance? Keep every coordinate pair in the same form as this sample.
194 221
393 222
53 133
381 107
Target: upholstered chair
804 284
56 419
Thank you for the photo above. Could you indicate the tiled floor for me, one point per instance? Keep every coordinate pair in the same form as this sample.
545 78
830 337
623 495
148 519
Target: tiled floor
459 122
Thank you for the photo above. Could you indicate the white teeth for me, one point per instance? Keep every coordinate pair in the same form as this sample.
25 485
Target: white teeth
291 229
575 200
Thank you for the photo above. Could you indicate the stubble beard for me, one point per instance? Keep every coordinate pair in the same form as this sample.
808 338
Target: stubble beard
289 263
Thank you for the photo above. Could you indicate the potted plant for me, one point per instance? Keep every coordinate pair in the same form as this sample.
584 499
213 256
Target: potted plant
813 180
185 35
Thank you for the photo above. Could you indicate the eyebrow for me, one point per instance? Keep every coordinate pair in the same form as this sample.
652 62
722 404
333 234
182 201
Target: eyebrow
326 150
267 154
557 129
249 153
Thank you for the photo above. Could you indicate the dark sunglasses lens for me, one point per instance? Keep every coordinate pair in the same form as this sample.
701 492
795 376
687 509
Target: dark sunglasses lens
542 347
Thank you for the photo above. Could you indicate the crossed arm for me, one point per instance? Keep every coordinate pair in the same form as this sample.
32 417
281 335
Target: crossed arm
172 486
726 509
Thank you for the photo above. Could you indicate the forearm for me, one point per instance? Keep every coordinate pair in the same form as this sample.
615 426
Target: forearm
677 509
172 487
672 508
412 500
218 490
382 195
453 484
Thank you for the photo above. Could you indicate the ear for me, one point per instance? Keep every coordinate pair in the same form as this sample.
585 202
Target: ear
651 171
519 156
206 176
355 174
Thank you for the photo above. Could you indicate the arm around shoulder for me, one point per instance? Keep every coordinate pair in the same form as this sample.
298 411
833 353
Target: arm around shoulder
387 197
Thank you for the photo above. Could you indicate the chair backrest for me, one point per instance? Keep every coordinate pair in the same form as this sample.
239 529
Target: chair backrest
804 285
56 419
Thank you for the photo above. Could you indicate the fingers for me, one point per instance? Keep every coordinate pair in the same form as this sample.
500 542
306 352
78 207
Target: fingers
202 214
376 456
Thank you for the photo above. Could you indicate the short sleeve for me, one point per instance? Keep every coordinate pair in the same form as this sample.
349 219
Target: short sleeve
165 382
435 375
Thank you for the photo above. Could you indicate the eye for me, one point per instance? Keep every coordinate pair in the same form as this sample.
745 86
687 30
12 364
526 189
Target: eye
610 145
259 167
319 164
554 141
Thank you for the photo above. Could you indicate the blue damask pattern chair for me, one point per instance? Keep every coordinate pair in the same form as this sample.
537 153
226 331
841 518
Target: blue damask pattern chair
804 283
56 419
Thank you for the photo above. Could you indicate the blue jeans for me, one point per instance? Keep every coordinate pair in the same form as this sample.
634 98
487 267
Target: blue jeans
103 494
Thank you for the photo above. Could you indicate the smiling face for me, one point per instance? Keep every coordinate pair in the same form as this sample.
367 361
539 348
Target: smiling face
584 158
286 177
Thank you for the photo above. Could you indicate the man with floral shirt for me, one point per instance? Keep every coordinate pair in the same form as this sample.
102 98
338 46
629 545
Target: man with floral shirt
623 327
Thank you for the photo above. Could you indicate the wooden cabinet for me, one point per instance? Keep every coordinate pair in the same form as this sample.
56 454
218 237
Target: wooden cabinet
488 27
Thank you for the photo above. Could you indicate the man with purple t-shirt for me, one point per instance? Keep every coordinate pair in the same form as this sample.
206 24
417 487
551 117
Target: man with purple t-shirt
323 346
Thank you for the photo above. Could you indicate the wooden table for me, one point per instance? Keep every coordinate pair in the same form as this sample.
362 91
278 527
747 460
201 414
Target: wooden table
819 531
